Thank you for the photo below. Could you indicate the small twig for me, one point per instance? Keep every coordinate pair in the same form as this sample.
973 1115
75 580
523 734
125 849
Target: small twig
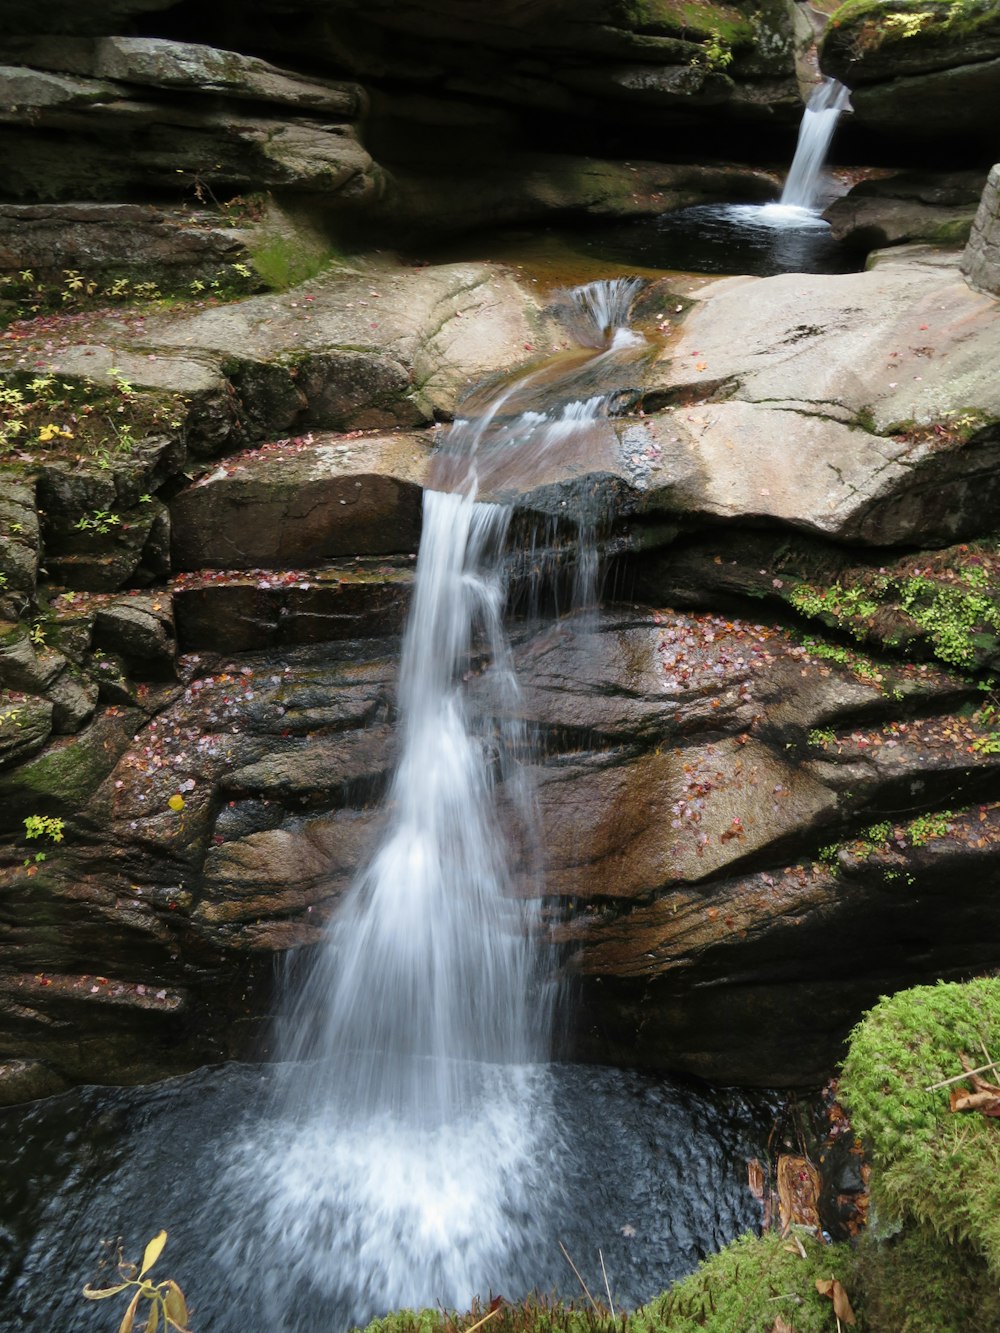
472 1327
993 1064
597 1308
607 1285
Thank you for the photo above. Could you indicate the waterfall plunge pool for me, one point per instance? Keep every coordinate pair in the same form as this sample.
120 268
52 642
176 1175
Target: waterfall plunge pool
651 1173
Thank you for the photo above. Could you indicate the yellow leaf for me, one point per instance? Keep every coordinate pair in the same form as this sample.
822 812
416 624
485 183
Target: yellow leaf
152 1252
175 1305
153 1322
176 801
128 1318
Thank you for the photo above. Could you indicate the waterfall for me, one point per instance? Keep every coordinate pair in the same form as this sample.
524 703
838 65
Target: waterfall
415 1142
819 120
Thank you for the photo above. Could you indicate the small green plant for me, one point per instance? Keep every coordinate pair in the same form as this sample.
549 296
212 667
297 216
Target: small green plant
100 521
716 52
120 381
830 856
821 736
950 617
925 827
836 605
874 838
43 826
167 1306
988 717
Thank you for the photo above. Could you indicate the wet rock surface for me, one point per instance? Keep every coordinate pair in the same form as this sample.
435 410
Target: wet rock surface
752 819
726 813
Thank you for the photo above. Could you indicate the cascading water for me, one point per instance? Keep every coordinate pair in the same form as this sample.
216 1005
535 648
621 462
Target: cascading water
417 1140
819 121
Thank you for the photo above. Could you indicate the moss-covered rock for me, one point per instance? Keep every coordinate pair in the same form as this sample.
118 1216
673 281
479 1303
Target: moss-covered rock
931 1166
917 1283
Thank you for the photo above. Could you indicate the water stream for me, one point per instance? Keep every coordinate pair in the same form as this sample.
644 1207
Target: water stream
819 121
419 1140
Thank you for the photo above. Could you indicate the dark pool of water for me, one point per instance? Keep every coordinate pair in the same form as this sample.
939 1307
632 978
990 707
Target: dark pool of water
756 239
650 1174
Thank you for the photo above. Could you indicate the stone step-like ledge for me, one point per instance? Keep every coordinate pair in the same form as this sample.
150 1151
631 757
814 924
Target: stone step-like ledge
241 610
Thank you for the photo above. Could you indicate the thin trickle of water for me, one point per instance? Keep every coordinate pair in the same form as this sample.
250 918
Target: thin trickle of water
819 121
415 1138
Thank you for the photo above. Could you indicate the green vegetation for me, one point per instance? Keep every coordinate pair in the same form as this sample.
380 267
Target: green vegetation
283 262
744 1288
821 736
952 608
988 717
925 827
717 52
43 826
863 667
42 414
835 605
31 295
930 1166
866 26
951 616
914 1283
749 1285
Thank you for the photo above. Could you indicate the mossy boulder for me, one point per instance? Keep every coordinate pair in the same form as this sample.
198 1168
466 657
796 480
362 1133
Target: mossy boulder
921 71
932 1166
870 40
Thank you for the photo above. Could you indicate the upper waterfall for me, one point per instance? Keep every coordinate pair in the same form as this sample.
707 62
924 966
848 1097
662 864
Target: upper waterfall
819 121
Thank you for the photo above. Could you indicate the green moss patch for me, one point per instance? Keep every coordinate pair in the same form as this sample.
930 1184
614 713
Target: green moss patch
931 1166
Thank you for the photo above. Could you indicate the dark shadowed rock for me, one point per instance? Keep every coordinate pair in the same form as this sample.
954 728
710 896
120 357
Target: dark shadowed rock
231 611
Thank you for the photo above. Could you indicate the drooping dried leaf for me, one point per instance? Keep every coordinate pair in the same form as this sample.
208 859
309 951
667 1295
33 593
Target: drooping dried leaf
832 1287
782 1326
152 1252
986 1103
798 1192
128 1318
102 1293
153 1322
175 1304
